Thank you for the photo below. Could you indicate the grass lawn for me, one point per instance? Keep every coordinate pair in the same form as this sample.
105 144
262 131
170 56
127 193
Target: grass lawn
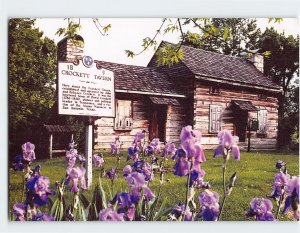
255 172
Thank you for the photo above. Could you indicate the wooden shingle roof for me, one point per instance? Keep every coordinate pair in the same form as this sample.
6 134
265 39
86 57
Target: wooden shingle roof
217 67
142 79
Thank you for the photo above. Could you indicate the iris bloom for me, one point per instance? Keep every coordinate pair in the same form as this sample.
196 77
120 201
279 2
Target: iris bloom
43 217
137 184
153 147
39 191
144 168
209 201
191 144
133 153
19 211
179 211
127 170
292 199
125 205
115 146
77 174
170 149
280 181
98 160
196 179
183 163
109 214
227 143
261 209
111 174
18 164
28 151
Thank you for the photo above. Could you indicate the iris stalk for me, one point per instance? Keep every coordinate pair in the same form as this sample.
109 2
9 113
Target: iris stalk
187 190
279 204
224 186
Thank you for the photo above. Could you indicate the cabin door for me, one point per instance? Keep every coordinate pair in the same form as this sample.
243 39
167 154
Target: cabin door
240 124
157 127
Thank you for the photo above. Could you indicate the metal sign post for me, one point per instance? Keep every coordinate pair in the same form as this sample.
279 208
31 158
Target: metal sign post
89 152
86 90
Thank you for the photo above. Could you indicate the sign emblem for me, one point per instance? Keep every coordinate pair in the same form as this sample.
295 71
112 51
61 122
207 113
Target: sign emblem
87 61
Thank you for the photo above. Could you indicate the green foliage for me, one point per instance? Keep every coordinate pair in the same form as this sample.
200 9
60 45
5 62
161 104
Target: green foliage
226 35
32 70
282 65
70 31
169 54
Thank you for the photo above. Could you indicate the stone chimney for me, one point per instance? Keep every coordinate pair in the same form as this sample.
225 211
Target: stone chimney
258 61
70 49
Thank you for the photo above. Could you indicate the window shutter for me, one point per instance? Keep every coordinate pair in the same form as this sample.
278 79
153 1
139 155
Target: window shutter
215 118
262 120
123 120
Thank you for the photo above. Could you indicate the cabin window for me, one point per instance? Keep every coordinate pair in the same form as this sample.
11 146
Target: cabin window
123 120
262 97
215 112
214 90
262 120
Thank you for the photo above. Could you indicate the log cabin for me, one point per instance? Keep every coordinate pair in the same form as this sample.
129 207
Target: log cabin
207 90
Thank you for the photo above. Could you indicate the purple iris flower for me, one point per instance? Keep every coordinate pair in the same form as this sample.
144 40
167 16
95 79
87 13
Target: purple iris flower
98 160
42 217
109 214
261 209
125 205
182 164
28 152
196 179
127 170
71 158
191 144
280 181
145 168
209 201
280 164
179 210
81 158
133 153
139 137
19 211
292 199
136 180
153 147
227 142
170 149
111 174
77 174
18 164
39 191
137 184
115 146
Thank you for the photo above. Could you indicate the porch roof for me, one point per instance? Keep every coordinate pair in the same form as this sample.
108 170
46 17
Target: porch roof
60 128
244 105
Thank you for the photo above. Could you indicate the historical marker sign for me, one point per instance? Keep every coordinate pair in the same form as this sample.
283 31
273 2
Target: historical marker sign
85 90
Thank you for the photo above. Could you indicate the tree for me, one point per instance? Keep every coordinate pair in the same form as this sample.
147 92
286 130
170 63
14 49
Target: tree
283 66
32 70
234 36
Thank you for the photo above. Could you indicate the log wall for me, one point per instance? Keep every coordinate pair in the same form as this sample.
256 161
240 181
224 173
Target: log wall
105 133
175 120
203 99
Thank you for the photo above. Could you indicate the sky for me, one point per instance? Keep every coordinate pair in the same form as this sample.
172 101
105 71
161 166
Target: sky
128 33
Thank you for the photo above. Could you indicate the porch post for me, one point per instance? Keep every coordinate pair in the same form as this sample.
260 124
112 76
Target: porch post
50 145
89 151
